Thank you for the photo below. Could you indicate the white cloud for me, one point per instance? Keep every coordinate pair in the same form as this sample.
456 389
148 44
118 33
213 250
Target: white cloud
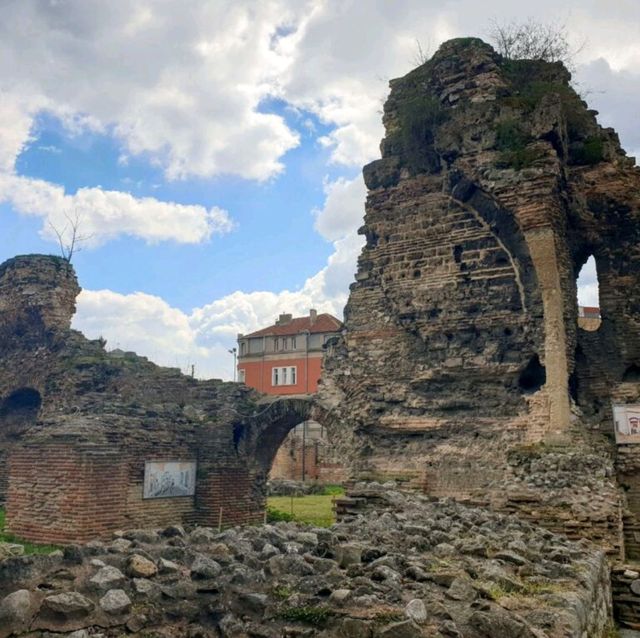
149 326
343 209
103 215
588 294
182 84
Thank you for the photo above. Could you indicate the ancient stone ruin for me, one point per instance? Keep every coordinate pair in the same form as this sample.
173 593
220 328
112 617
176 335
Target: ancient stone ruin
461 341
79 425
461 373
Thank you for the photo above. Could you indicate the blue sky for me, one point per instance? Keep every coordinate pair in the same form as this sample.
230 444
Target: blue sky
212 151
272 219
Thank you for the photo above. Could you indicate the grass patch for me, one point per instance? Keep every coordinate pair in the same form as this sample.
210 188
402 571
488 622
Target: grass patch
29 548
309 615
523 589
283 592
314 509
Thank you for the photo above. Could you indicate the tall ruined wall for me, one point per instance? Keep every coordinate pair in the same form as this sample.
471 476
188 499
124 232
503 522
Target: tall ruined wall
494 187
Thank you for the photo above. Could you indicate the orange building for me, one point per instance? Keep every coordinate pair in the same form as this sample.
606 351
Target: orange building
286 358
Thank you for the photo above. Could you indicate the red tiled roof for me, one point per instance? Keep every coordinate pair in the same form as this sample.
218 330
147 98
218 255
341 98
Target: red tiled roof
324 323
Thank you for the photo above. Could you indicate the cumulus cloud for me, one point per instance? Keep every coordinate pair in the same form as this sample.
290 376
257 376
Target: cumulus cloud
102 215
183 84
169 336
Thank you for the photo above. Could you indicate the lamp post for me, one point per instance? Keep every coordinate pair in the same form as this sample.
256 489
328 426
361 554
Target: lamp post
234 352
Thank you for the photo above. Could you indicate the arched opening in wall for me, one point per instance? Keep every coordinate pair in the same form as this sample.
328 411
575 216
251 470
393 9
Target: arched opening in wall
303 455
18 411
533 376
588 289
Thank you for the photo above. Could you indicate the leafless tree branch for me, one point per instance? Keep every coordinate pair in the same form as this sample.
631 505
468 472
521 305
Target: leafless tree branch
69 237
532 40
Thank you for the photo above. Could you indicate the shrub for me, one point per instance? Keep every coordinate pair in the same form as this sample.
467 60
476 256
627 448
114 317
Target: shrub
275 516
333 490
419 117
591 151
512 141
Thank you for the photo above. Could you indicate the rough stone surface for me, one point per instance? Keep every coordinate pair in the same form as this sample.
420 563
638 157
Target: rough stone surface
116 602
68 604
141 567
399 587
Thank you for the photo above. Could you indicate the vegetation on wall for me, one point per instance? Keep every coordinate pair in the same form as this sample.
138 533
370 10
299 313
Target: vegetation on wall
419 116
529 82
512 141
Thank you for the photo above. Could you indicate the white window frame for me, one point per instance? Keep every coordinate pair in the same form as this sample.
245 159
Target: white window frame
285 375
241 375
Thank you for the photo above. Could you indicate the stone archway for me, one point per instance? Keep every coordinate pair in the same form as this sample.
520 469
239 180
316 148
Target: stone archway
232 477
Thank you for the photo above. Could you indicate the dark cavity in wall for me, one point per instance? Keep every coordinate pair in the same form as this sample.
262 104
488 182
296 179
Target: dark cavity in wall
533 376
632 374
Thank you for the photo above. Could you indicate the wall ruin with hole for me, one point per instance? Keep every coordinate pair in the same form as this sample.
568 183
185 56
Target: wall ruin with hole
78 423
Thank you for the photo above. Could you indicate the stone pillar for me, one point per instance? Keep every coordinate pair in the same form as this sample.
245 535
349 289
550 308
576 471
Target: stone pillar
542 247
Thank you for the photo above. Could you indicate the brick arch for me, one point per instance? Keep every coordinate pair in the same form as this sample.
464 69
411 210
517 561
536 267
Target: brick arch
280 417
234 460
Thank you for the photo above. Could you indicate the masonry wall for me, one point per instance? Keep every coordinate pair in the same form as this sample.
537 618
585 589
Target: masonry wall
61 494
317 465
461 336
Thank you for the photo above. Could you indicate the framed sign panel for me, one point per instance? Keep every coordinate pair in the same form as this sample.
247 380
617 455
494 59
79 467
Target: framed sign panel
167 479
627 423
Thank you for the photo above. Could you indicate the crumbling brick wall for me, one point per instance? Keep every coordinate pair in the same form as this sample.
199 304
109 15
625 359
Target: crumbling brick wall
78 424
495 185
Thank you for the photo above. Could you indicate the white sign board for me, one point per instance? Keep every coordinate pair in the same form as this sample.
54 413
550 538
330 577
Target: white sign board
166 479
627 423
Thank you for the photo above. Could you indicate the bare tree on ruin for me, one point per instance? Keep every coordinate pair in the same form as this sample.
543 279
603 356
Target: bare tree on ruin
70 239
532 40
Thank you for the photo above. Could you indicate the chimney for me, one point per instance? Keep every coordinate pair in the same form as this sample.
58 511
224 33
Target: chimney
313 315
284 319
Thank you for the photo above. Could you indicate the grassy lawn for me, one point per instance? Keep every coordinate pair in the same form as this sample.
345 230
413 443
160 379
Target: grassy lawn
315 509
29 548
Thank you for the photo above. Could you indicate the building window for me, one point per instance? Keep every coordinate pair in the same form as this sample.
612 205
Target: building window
284 343
275 344
241 376
293 343
243 348
284 376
